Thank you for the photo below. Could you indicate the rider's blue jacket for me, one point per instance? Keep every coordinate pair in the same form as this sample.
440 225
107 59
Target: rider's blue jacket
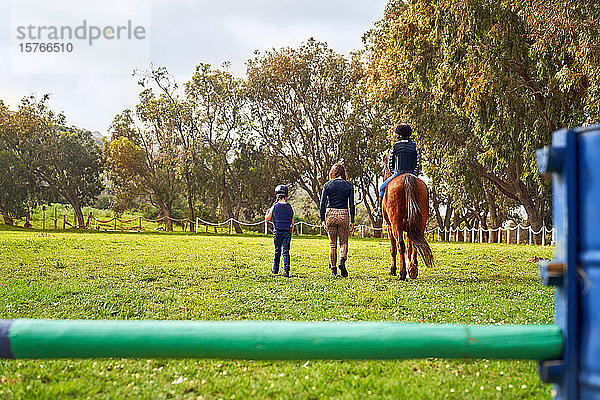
404 158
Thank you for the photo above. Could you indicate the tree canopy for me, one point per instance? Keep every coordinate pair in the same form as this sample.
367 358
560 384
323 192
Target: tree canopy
46 153
485 83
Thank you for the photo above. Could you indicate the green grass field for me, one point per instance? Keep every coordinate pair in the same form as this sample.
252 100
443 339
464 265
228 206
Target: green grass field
95 275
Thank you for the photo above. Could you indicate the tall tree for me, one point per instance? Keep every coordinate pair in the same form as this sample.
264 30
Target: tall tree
300 102
217 110
141 159
65 159
15 183
175 115
364 144
474 79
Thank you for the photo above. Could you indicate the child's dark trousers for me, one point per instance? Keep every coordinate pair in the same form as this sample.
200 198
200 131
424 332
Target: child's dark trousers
282 241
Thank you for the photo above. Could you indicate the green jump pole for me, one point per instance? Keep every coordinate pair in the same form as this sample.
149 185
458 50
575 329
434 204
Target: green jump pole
280 340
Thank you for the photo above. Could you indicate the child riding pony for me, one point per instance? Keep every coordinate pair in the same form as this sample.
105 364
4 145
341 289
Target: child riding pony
405 207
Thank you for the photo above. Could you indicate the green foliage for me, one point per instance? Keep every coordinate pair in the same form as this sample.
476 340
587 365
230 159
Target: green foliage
191 144
16 183
66 160
217 105
104 202
365 142
123 276
300 102
142 159
485 84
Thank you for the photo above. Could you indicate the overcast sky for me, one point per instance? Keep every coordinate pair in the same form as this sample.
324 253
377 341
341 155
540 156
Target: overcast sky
181 34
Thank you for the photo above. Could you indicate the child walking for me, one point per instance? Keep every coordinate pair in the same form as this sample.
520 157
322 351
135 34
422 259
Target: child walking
282 215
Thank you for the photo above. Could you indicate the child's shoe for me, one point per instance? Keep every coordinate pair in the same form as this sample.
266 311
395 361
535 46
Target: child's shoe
286 273
275 270
333 271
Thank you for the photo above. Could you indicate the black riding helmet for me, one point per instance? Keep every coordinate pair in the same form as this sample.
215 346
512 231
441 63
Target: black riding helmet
281 190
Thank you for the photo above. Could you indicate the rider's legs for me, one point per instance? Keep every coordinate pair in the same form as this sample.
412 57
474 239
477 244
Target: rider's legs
385 183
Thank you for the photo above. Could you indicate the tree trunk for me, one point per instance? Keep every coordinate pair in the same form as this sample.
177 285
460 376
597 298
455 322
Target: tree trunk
448 217
8 220
517 190
377 224
533 209
494 217
436 208
376 220
79 214
535 219
76 204
238 228
484 225
190 202
27 222
165 211
230 214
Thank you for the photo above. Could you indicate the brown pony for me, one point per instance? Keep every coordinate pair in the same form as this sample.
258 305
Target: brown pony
405 207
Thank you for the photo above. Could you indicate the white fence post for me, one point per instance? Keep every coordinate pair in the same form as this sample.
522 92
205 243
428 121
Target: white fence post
519 234
480 235
544 235
301 231
499 235
530 235
231 226
473 235
362 231
196 226
266 228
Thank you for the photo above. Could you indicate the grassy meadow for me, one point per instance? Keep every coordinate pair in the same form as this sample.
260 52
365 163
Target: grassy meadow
94 275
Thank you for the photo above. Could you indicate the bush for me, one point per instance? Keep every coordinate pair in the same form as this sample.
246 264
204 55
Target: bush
104 202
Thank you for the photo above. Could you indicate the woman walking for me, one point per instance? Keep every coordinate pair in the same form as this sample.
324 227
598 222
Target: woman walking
337 215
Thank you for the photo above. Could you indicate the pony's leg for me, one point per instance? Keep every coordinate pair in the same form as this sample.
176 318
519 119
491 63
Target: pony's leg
413 267
393 251
402 250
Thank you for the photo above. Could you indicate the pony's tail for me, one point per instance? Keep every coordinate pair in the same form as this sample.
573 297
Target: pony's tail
414 220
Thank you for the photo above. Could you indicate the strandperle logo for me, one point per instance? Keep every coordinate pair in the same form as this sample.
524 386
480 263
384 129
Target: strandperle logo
85 31
79 37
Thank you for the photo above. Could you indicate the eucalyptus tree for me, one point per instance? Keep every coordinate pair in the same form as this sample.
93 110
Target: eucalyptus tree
482 84
365 142
142 159
217 111
300 100
37 142
168 110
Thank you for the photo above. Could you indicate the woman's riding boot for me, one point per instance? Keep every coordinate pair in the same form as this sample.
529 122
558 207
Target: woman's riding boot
333 270
342 267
